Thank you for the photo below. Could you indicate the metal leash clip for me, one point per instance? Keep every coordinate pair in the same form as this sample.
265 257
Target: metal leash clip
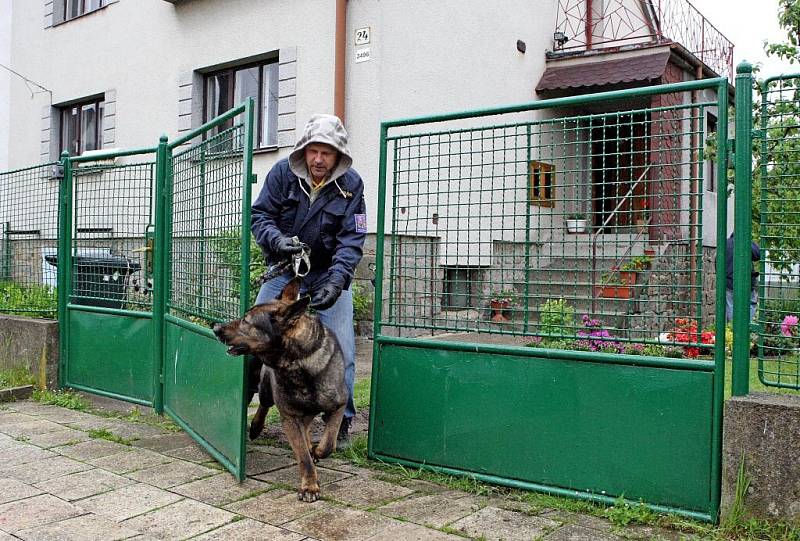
301 261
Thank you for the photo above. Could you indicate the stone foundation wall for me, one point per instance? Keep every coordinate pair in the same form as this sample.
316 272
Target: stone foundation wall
32 344
764 430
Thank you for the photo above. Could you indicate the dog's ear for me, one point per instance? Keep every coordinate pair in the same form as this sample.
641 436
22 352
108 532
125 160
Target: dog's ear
291 290
296 310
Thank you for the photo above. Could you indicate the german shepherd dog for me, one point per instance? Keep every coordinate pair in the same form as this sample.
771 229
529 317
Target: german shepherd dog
304 375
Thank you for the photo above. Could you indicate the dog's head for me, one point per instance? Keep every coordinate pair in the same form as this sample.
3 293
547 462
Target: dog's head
264 327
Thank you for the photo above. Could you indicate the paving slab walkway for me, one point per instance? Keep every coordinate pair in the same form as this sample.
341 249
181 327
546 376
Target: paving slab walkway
57 483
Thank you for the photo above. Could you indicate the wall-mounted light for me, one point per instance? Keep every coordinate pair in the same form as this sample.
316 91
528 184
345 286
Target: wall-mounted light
521 46
560 38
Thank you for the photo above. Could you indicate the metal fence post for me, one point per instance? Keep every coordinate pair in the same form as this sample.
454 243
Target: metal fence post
64 267
743 230
159 274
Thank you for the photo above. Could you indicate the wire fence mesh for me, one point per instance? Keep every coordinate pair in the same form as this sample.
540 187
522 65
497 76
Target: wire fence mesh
776 201
113 227
575 230
206 225
28 234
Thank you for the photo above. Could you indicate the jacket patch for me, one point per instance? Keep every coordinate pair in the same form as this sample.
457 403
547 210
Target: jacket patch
361 223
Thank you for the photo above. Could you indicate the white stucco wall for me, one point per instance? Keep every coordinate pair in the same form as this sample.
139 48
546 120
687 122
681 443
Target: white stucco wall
5 79
141 49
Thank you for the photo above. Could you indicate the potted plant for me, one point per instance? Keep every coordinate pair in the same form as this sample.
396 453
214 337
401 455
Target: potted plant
576 222
500 302
617 284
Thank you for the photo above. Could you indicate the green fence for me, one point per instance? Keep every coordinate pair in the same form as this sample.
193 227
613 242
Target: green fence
28 235
539 266
776 224
576 229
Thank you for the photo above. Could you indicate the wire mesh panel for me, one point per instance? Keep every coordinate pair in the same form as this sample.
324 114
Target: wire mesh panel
776 201
206 228
576 228
28 235
112 234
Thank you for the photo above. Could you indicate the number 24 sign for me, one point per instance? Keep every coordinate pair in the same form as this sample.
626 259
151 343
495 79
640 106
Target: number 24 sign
362 35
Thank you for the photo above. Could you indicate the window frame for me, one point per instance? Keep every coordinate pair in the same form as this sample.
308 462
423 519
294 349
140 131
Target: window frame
259 102
538 190
82 10
98 128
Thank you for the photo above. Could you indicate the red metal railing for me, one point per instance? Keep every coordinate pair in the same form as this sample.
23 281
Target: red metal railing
600 24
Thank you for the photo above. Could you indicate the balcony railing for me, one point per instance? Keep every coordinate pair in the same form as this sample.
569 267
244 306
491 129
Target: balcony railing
602 24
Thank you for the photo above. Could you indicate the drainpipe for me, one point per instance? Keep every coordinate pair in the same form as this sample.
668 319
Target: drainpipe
339 57
589 24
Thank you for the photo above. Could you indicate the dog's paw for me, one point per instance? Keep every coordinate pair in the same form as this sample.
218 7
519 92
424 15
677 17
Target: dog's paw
308 495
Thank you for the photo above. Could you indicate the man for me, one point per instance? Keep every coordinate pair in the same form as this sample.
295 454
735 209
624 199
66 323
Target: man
755 255
316 196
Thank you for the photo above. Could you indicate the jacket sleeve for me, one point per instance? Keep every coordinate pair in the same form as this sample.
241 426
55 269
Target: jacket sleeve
266 209
349 242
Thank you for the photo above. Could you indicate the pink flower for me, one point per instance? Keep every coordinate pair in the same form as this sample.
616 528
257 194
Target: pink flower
789 325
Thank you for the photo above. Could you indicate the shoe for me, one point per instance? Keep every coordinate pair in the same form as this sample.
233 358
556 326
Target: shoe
343 437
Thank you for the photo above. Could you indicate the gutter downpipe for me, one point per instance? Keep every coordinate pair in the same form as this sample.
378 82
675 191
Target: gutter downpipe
340 41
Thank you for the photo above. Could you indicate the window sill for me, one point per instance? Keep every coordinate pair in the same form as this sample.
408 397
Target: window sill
82 15
265 150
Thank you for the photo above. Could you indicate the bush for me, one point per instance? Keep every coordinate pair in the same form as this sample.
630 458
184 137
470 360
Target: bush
556 318
29 300
778 337
362 302
228 248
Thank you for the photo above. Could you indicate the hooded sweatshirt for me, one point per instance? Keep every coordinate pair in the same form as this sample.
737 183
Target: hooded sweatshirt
330 219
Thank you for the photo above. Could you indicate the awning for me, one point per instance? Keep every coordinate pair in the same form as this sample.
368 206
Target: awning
614 71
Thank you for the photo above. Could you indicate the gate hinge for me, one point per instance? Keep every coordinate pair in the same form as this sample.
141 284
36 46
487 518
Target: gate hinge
253 178
758 134
161 378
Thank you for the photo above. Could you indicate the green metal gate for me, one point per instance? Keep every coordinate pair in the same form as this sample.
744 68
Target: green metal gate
153 247
539 268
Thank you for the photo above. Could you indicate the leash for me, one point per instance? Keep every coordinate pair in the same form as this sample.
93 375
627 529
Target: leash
299 263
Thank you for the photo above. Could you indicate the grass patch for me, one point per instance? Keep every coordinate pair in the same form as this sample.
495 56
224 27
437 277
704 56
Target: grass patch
15 377
755 384
64 399
105 434
361 393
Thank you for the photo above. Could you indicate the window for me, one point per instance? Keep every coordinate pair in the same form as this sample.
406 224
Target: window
458 285
82 126
711 131
76 8
542 183
228 88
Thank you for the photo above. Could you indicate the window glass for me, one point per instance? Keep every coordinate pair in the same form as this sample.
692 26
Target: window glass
246 86
88 127
69 130
269 107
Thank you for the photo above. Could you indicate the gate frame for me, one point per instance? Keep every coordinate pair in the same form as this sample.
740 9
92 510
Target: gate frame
716 367
161 192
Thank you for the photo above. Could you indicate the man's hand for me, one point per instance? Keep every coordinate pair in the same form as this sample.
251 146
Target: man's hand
324 297
286 246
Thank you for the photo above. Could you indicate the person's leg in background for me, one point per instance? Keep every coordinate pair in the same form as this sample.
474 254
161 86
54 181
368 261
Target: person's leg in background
339 319
753 304
728 304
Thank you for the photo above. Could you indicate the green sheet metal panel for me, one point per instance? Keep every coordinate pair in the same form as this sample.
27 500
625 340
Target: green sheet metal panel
204 392
609 429
111 354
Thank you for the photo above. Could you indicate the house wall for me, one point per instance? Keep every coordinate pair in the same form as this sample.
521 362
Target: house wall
5 79
425 58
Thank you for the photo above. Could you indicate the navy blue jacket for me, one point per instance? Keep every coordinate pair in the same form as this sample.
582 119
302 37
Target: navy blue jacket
334 227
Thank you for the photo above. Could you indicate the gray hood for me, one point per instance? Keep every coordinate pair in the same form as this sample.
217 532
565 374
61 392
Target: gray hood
326 129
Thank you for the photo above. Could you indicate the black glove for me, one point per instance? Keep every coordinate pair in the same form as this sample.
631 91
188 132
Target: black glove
285 246
324 297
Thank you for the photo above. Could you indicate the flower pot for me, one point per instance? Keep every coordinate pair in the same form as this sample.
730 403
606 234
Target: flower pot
498 310
650 252
577 226
627 278
615 292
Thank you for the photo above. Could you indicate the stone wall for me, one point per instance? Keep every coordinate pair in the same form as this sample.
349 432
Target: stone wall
764 430
32 344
